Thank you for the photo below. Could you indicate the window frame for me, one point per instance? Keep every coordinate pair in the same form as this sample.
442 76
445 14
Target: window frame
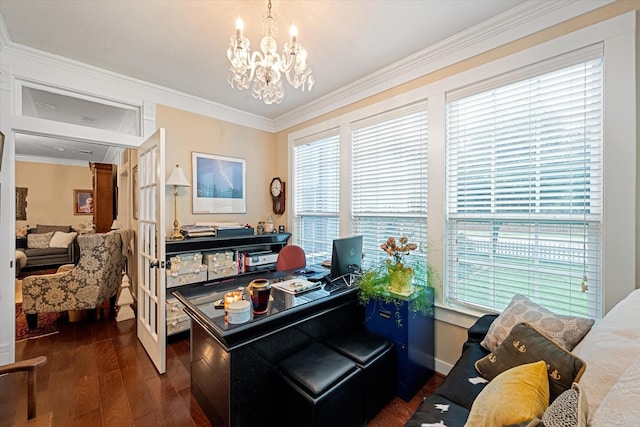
620 152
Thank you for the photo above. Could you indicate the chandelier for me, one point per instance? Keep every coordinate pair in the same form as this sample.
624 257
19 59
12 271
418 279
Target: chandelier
263 70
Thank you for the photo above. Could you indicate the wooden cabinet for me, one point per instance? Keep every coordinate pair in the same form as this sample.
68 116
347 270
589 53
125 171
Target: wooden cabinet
104 195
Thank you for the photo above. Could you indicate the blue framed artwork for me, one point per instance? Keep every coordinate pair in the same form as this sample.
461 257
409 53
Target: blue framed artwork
219 184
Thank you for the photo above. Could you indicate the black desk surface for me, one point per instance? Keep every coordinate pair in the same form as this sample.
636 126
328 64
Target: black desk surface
284 308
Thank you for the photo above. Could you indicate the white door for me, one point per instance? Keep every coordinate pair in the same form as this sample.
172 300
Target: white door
151 249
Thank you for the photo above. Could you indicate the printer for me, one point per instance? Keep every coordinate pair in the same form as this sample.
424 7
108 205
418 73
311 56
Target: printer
260 260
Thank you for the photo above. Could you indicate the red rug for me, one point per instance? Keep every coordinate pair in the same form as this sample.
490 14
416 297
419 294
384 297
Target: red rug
48 323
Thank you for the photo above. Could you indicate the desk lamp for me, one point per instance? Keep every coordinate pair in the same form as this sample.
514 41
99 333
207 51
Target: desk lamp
177 179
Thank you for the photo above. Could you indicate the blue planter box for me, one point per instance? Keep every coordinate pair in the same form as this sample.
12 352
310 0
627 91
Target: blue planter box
412 333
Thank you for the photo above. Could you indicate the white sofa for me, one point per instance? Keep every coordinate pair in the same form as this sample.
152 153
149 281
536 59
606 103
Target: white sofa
611 382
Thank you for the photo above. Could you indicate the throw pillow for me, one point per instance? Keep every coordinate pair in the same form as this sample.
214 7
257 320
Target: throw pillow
53 228
517 395
62 240
38 241
565 330
569 409
526 345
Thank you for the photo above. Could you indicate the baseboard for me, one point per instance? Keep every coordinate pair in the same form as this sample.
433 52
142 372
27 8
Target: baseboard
442 367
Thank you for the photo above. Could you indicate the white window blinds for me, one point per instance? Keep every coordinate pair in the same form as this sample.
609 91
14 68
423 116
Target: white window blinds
524 187
389 172
317 190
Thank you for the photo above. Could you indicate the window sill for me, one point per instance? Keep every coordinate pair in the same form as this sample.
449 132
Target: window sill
456 315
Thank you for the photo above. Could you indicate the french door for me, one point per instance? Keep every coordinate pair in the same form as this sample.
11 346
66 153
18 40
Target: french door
151 249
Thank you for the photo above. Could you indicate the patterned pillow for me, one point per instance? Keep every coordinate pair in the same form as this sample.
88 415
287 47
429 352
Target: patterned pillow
568 410
565 330
526 345
38 241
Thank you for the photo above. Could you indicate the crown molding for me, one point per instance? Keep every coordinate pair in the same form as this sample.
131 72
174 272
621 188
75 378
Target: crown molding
51 160
520 21
4 35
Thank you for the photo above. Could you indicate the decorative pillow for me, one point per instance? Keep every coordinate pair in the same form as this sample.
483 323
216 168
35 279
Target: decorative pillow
53 228
526 345
515 396
38 241
62 240
569 409
565 330
22 231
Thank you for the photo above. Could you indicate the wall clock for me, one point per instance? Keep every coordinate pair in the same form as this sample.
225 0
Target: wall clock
278 195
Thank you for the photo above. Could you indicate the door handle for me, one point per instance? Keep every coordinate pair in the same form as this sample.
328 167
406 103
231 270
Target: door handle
156 264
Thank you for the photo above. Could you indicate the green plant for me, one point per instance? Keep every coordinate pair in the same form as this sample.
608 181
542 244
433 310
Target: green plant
374 283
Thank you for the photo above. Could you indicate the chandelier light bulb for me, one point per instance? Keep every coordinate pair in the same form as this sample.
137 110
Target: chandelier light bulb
262 70
239 28
294 34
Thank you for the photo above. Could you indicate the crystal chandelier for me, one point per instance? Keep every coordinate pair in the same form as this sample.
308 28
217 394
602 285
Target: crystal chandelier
263 70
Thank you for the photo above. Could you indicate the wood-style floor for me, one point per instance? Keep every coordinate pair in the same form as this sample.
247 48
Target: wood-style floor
98 374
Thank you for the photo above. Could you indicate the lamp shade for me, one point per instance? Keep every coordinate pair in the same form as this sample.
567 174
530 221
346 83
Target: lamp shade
178 178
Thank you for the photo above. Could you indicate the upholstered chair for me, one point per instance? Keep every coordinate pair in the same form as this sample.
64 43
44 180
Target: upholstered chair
96 277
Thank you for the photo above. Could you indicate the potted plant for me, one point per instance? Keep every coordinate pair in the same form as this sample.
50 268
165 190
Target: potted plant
397 281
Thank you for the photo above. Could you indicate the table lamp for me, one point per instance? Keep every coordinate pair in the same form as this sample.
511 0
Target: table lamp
177 179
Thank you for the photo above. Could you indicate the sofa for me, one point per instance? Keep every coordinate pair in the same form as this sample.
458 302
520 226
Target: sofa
599 386
49 246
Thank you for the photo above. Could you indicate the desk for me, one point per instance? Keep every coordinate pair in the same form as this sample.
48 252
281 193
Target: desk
232 365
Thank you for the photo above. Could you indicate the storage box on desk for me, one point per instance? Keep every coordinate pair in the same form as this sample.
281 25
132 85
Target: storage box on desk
220 264
187 278
186 263
230 232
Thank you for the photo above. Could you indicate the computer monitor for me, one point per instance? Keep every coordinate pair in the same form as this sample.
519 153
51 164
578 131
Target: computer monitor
346 258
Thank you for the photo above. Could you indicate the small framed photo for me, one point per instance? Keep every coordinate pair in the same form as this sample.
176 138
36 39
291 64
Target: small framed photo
83 202
219 184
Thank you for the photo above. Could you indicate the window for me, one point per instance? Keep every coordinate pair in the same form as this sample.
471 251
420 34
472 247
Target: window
389 175
316 197
524 187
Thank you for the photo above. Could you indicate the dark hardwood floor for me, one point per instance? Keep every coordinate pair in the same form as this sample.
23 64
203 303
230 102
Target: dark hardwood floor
98 374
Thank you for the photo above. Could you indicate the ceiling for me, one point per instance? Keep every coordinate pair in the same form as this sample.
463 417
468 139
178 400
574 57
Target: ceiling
181 45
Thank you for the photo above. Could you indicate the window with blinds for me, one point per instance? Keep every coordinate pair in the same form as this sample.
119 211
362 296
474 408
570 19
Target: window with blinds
524 187
389 180
316 196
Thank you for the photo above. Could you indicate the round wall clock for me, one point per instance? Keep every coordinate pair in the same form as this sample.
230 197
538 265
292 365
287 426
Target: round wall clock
278 195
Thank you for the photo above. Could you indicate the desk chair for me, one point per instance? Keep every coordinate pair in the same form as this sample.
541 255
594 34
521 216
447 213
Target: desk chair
29 366
291 257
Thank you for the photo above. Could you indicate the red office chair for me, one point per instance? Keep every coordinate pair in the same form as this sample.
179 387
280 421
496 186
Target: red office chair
291 257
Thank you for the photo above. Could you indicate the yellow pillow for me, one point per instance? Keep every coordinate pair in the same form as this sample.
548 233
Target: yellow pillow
516 395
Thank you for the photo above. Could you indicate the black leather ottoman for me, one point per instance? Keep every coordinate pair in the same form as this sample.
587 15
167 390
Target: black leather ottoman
376 357
320 387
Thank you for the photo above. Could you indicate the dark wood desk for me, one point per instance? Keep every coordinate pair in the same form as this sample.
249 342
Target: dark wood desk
232 366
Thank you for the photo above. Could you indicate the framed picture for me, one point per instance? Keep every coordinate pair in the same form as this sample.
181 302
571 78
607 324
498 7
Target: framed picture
21 203
83 202
219 184
134 191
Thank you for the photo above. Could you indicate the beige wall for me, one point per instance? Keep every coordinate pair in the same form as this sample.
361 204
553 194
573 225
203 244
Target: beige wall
187 132
50 192
449 337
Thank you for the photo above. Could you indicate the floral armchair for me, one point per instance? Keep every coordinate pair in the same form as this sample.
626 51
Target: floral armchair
96 277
